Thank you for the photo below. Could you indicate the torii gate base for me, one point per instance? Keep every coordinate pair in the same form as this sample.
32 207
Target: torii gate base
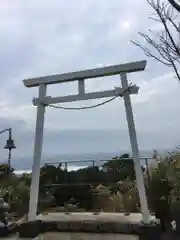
42 101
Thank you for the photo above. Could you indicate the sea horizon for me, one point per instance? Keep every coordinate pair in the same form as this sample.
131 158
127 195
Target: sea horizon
78 160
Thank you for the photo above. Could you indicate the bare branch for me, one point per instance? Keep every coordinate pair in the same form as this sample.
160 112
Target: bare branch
164 45
149 54
175 5
174 65
154 19
163 40
163 20
177 28
157 47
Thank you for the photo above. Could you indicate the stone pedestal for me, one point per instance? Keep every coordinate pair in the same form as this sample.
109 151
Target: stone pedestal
30 229
3 230
7 230
150 232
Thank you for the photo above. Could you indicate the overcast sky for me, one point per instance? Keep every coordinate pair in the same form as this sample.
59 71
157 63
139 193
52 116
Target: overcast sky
48 37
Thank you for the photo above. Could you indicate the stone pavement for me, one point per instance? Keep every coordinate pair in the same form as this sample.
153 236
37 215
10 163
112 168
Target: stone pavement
84 236
79 236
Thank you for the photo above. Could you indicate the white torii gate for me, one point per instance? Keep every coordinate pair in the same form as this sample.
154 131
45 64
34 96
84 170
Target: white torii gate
42 101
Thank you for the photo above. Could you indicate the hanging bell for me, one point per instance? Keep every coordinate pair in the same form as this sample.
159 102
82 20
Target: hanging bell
10 144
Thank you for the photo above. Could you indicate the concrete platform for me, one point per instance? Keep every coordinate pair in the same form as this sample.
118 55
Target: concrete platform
133 218
85 226
101 223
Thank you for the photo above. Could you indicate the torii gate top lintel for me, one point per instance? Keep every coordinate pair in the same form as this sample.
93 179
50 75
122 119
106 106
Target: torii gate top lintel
86 74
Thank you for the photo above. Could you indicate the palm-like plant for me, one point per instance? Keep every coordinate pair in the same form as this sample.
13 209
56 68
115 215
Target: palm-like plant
117 202
129 195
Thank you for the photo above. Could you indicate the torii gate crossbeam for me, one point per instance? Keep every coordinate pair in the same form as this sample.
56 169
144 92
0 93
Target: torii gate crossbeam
42 101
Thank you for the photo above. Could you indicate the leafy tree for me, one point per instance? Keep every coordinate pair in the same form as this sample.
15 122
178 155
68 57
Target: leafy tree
5 171
25 178
50 174
173 162
88 175
119 168
160 191
64 185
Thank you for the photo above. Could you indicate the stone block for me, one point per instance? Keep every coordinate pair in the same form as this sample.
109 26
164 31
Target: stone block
150 232
30 229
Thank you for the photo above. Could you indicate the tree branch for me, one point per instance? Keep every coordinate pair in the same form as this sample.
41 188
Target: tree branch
166 43
160 11
149 54
175 5
174 65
